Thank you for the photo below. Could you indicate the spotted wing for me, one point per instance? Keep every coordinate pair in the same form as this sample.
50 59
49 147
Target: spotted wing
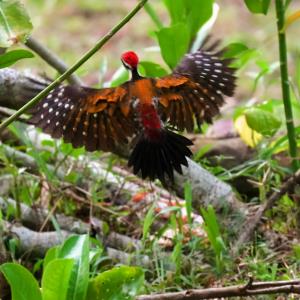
195 90
97 119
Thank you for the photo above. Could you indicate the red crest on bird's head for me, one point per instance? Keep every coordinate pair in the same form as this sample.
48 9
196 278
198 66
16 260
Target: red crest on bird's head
130 59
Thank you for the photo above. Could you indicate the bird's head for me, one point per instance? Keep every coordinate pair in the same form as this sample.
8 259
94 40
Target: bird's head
130 60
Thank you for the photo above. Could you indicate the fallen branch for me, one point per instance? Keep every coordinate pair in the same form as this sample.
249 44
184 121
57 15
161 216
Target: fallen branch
17 88
52 59
35 218
37 244
249 289
252 222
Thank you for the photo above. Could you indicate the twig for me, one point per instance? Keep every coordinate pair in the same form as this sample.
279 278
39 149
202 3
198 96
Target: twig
256 288
252 222
73 68
51 58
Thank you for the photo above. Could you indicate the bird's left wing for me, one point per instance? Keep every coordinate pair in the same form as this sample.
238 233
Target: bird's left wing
99 119
195 89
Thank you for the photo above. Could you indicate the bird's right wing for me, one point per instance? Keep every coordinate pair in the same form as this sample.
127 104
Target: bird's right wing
99 119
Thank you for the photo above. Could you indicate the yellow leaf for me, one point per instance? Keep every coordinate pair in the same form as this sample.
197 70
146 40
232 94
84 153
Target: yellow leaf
248 135
291 19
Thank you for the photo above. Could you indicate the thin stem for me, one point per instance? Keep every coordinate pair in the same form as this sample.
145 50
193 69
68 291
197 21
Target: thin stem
280 12
73 68
153 15
52 59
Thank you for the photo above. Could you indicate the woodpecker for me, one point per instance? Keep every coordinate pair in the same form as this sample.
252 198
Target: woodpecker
142 112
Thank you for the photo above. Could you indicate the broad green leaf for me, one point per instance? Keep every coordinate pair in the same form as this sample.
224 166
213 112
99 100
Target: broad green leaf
249 136
15 24
56 279
50 255
198 12
176 10
262 121
150 69
116 284
77 248
194 12
13 56
258 6
22 283
174 43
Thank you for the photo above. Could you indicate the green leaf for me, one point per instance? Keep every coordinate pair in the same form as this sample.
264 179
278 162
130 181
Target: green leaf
176 10
174 43
262 121
198 12
22 283
148 221
15 24
176 255
77 248
50 255
56 277
234 49
258 6
188 197
212 229
248 135
150 69
11 57
116 284
192 12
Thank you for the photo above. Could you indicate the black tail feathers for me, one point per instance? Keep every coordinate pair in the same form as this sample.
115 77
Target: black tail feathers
160 157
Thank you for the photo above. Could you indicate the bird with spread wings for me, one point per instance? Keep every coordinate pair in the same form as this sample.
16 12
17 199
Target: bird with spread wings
142 111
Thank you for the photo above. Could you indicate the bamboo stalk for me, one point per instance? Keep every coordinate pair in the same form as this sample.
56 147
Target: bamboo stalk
280 12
